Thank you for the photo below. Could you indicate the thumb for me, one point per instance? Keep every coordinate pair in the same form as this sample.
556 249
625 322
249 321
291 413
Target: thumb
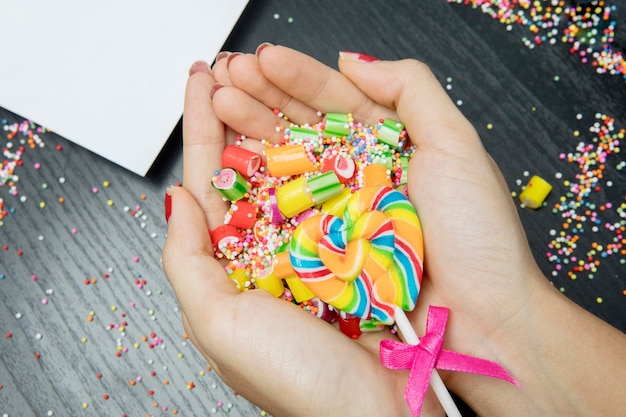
409 87
198 279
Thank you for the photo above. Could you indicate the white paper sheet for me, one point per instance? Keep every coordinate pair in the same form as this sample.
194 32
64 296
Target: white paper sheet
109 75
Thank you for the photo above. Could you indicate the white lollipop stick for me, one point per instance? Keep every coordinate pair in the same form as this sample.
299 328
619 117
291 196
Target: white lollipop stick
408 336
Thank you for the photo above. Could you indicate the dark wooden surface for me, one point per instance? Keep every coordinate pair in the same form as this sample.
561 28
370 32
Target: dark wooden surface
524 103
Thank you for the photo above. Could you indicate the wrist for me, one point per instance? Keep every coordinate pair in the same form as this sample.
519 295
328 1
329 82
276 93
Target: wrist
562 356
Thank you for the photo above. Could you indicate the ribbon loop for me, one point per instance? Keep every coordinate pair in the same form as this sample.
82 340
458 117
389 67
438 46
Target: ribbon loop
422 358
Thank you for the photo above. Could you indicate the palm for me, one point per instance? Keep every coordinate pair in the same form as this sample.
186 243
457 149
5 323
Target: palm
305 358
262 345
452 179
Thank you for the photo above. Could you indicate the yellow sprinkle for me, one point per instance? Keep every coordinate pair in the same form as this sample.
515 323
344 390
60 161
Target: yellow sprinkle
113 308
84 340
599 300
110 203
85 405
106 184
180 356
42 204
489 126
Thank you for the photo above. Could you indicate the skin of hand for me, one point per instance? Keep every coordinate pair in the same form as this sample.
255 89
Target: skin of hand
273 353
477 260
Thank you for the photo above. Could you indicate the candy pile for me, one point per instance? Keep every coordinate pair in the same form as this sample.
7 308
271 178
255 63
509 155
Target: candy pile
314 175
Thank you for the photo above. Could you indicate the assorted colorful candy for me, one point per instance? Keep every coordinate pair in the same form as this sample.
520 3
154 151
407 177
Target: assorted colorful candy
322 219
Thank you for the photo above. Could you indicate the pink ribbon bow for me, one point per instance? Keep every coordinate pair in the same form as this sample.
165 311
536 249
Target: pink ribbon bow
421 359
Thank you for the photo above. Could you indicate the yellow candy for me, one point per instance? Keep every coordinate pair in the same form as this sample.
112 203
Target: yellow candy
337 204
292 197
270 283
240 277
299 291
535 192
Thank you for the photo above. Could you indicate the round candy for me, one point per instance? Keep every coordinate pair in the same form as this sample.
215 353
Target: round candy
366 262
231 184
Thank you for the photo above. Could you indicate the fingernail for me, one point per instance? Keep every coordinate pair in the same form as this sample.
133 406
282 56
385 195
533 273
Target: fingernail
168 207
222 55
219 57
261 47
215 87
357 56
231 57
199 66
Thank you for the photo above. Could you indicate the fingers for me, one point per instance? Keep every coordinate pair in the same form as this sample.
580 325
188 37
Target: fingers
220 67
198 279
245 73
319 86
408 86
203 143
254 98
246 115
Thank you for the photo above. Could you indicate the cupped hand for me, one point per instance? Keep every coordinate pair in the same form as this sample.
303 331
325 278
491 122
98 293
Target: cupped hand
478 262
270 351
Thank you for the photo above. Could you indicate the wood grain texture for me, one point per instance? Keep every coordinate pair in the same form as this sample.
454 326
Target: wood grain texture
500 82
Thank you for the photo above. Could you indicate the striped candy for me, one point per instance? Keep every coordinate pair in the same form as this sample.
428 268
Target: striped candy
366 262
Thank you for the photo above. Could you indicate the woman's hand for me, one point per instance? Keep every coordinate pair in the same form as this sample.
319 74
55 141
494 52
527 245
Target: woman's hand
270 351
478 262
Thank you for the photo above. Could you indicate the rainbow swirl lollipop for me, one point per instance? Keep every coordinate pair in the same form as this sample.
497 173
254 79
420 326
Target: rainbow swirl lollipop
367 262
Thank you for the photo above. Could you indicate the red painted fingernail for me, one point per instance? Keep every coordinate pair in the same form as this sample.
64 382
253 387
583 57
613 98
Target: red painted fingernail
215 87
357 56
261 47
168 207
